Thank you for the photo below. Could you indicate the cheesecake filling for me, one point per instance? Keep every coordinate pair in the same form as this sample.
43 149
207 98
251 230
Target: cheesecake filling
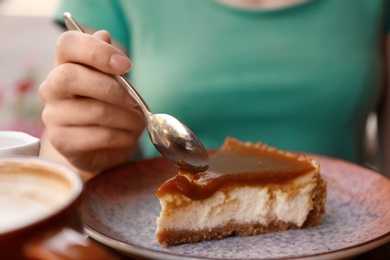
243 205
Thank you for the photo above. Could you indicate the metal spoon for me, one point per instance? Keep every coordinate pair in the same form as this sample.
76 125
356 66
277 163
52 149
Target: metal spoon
172 139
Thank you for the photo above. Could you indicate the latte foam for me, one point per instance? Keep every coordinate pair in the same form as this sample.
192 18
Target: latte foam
29 193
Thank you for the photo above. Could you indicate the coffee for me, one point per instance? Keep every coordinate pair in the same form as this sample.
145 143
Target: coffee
39 214
29 193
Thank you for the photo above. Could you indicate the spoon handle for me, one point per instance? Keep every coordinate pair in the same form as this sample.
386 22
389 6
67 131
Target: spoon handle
71 24
124 83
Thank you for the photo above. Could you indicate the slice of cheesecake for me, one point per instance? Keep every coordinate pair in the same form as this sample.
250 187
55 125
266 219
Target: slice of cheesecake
248 189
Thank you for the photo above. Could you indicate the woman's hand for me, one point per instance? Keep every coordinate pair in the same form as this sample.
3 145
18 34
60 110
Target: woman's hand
89 118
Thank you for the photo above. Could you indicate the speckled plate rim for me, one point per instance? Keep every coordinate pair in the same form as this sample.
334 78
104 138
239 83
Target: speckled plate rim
132 250
139 251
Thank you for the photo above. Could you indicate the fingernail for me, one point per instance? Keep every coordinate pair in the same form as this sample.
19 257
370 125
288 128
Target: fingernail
120 63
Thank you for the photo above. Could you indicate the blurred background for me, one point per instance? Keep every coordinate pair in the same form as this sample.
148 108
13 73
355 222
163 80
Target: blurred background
27 49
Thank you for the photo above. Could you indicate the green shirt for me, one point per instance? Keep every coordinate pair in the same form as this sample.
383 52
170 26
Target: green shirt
300 78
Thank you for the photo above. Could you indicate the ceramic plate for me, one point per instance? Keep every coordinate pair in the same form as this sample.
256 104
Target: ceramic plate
121 208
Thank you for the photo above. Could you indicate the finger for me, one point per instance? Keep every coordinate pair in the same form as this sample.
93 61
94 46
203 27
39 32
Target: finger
88 112
79 139
95 146
74 80
77 47
103 35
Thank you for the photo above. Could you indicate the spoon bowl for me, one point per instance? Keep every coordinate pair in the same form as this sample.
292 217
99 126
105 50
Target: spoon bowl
176 142
172 139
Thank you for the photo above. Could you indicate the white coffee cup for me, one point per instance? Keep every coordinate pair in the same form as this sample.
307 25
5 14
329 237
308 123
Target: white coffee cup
18 143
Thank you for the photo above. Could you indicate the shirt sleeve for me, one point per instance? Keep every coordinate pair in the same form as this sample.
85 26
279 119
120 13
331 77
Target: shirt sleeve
97 15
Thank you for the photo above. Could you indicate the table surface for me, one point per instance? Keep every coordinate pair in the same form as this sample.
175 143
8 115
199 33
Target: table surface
382 252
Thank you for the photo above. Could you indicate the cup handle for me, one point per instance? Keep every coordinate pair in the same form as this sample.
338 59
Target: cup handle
65 243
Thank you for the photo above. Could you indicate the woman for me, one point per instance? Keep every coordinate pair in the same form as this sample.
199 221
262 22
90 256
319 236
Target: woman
299 75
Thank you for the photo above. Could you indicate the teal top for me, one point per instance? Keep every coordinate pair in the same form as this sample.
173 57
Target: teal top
302 78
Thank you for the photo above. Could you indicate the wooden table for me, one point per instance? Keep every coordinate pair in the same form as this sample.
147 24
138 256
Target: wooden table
382 252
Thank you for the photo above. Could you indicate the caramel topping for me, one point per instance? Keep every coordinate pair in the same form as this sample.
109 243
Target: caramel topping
239 164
